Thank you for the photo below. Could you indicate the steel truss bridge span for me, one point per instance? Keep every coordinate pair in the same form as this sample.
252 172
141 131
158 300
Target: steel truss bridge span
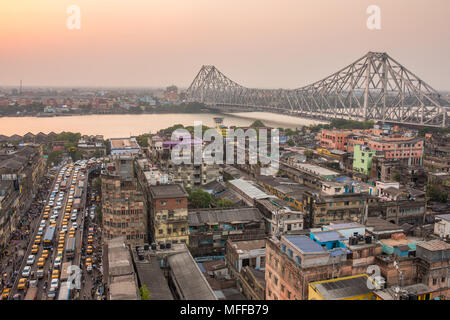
375 87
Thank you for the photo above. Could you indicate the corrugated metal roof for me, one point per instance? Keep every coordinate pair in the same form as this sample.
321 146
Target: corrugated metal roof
249 189
202 217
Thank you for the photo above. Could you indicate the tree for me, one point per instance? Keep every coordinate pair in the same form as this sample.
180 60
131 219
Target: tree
145 293
55 157
143 140
291 143
257 123
396 177
200 199
97 184
224 203
98 214
308 153
435 193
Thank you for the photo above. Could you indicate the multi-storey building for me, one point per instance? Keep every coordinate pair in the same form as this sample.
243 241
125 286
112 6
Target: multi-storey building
123 211
362 159
21 172
168 223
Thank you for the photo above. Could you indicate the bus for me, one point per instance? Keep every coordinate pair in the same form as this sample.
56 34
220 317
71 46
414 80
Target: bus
64 291
48 237
65 270
70 248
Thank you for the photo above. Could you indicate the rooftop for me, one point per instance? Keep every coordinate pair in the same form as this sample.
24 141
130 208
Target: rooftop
168 191
435 245
305 244
214 216
249 189
188 278
445 217
326 236
342 288
122 143
243 247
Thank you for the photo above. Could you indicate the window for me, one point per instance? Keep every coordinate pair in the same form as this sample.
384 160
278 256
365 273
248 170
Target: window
443 279
163 202
434 281
179 201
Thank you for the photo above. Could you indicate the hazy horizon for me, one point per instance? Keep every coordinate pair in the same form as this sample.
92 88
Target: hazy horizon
259 44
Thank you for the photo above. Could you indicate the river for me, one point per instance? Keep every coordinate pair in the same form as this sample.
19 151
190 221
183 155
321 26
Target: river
116 125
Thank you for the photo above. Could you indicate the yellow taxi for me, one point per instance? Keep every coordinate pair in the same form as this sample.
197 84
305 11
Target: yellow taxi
90 239
41 262
45 216
22 284
88 261
37 240
89 249
62 238
62 233
55 274
5 293
61 246
53 224
44 254
59 253
71 234
34 249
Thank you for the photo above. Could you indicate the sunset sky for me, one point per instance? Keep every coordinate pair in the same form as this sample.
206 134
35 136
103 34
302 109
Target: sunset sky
257 43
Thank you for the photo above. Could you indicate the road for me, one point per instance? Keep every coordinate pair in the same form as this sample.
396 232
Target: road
49 263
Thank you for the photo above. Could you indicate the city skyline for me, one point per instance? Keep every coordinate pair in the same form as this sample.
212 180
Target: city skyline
263 44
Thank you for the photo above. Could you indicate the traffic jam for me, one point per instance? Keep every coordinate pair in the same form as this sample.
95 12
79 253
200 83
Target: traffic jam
65 236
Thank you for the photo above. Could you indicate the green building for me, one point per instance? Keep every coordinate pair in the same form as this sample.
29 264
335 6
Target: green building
362 159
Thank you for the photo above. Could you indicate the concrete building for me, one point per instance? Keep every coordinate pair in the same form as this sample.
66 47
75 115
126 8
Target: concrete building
279 216
123 211
362 159
21 172
209 229
245 253
168 222
124 146
442 225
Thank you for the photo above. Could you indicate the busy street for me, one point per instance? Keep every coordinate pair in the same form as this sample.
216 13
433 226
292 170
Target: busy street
59 231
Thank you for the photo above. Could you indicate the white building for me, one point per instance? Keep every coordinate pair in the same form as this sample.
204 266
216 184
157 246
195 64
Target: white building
442 225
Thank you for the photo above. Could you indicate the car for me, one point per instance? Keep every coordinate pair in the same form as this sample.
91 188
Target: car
22 285
55 283
40 231
64 227
34 249
40 273
57 263
51 203
89 267
5 293
58 207
89 249
90 239
45 216
59 253
51 293
41 263
62 233
31 259
61 246
37 240
73 217
42 224
44 254
52 223
26 272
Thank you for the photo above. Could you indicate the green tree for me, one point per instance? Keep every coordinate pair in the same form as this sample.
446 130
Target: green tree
97 184
98 214
291 143
257 123
436 193
55 157
308 153
200 199
224 203
143 140
145 293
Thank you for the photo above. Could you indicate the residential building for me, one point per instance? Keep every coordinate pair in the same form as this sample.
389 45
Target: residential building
209 229
362 159
124 146
168 220
344 288
442 225
245 253
123 211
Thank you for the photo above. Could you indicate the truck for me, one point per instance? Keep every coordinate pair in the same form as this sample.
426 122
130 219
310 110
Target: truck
63 185
78 192
31 293
65 271
70 248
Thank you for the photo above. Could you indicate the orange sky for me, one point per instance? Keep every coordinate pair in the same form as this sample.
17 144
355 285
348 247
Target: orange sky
258 43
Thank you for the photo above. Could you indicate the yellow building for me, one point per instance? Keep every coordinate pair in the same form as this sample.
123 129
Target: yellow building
359 287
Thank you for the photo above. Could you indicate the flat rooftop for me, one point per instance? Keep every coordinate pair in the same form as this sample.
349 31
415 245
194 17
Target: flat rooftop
124 143
305 244
342 288
326 236
123 288
316 169
243 247
215 216
168 191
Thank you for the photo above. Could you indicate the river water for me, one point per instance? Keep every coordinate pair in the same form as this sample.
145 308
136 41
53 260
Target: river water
111 126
